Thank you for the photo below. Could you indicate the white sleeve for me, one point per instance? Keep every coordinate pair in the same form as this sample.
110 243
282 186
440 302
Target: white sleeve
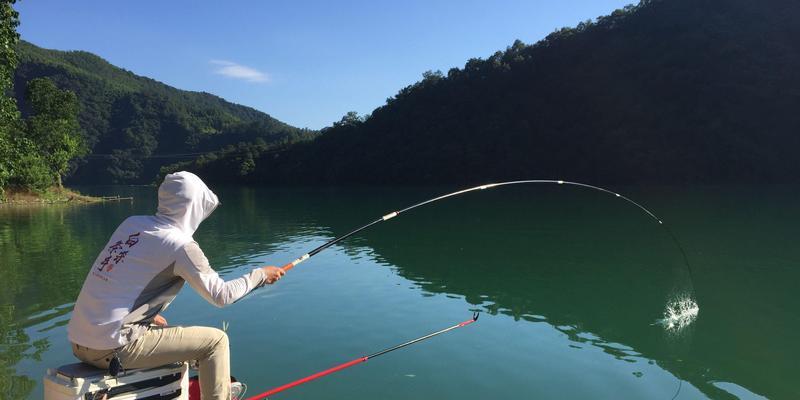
192 265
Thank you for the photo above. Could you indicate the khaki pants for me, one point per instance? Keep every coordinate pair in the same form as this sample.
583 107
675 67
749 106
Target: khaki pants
163 345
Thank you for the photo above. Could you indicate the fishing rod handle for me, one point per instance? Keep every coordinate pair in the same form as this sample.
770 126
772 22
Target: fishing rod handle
295 262
308 379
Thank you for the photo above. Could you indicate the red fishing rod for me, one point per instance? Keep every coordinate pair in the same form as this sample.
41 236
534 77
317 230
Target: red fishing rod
359 360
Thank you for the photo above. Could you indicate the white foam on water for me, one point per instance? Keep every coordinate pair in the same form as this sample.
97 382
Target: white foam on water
679 313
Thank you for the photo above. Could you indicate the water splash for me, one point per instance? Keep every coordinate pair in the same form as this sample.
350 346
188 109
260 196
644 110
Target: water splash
679 313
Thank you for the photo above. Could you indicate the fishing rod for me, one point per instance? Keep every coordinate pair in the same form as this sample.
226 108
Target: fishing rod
360 360
393 214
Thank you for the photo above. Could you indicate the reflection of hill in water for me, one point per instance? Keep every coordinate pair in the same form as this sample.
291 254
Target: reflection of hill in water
40 248
46 251
592 267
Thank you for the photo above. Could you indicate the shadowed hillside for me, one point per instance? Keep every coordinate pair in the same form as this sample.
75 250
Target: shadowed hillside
668 91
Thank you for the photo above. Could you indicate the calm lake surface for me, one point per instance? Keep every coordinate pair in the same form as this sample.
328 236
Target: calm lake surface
571 284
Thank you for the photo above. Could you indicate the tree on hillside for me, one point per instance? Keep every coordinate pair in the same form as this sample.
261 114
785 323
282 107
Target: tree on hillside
9 115
350 119
20 161
53 125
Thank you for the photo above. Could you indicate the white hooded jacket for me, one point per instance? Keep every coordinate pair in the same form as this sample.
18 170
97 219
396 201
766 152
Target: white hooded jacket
144 265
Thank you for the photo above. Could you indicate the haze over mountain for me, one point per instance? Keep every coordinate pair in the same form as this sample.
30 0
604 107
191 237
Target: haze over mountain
668 91
133 125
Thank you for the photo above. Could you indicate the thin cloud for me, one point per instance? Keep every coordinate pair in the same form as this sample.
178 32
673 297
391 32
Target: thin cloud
237 71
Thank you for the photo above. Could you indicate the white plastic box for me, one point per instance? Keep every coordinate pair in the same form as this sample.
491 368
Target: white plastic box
83 382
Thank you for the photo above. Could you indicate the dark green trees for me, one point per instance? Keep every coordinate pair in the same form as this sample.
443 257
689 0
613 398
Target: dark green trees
667 91
53 125
38 149
9 115
35 152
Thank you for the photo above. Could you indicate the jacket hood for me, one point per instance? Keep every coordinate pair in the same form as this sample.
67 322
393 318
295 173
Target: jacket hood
185 201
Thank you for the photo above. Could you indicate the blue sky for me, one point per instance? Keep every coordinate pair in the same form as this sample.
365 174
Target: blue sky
304 62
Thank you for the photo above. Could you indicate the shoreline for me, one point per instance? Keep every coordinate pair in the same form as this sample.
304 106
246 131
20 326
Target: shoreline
52 196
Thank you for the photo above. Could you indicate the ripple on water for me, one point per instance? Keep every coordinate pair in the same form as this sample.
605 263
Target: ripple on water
737 391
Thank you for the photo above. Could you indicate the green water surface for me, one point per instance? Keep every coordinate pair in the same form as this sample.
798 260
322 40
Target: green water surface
571 284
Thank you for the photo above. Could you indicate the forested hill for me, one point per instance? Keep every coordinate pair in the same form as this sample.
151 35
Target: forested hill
130 123
667 91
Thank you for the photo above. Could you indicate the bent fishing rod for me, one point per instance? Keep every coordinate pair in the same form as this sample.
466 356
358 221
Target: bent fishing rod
360 360
393 214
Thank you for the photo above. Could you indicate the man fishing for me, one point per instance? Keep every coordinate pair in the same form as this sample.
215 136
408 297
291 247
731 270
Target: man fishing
116 320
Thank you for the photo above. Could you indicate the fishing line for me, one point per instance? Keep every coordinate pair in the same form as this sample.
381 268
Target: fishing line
690 305
393 214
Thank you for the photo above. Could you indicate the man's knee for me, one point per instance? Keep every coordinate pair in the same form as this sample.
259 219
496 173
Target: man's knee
223 338
219 339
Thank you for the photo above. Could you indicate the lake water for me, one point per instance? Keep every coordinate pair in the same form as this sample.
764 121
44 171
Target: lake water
571 284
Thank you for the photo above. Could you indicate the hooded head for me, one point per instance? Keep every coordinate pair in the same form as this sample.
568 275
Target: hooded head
185 201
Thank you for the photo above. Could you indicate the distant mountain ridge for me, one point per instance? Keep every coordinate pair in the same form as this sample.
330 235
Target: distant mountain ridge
667 91
133 122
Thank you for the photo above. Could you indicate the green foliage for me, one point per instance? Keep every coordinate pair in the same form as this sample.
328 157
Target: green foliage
5 156
35 154
661 92
9 115
349 119
9 20
29 297
28 168
53 125
247 165
132 124
32 154
233 163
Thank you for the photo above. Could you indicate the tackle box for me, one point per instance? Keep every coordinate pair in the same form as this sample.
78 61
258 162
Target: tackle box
81 381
